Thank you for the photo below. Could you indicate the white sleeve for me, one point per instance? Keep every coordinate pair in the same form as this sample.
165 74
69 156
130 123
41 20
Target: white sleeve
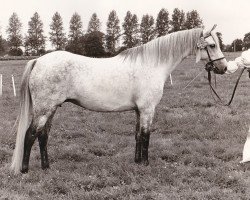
246 57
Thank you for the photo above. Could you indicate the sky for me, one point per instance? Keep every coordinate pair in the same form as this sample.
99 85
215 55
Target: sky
231 16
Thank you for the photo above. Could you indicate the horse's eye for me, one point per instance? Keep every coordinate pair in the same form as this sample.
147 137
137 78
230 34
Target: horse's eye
212 45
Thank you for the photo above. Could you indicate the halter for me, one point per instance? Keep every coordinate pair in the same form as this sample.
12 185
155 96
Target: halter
211 67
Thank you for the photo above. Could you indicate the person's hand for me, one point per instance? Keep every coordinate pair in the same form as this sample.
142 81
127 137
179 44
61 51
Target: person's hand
231 67
239 62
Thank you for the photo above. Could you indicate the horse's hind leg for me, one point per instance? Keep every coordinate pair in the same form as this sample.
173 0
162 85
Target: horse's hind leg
28 143
35 129
42 139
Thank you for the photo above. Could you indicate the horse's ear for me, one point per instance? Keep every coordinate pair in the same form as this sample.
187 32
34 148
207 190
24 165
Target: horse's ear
208 32
198 55
213 27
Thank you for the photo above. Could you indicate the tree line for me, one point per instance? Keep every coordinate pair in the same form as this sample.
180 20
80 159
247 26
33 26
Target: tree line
94 42
239 44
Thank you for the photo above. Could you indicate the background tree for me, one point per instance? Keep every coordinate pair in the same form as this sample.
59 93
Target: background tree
4 47
131 31
162 23
178 20
219 35
147 28
94 24
228 48
75 37
246 41
237 45
94 44
14 35
35 40
57 36
193 20
1 46
113 32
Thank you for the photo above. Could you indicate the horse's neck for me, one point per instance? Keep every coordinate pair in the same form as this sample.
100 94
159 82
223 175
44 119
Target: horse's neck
169 67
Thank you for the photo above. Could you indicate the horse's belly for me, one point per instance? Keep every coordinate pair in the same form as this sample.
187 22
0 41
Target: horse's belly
105 99
105 103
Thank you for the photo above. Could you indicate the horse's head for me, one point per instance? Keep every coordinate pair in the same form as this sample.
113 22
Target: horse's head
208 50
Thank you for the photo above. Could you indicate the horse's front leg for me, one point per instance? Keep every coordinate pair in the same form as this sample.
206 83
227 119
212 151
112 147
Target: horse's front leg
143 135
137 138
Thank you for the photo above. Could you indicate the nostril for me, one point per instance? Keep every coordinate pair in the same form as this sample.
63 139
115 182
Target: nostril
225 69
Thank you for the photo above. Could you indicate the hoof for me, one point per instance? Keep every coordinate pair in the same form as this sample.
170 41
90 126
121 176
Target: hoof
24 171
45 166
138 160
145 162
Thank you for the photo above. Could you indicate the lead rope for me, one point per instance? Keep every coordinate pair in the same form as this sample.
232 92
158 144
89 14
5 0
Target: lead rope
215 81
216 94
235 87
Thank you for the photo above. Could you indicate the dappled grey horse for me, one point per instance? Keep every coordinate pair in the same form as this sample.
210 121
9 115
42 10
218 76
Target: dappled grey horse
132 80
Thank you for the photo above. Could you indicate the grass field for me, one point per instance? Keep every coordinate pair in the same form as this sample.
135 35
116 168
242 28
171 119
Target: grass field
195 147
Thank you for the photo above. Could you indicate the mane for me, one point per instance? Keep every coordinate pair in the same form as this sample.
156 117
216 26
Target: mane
162 49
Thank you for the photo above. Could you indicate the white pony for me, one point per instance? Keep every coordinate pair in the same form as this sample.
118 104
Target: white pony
132 80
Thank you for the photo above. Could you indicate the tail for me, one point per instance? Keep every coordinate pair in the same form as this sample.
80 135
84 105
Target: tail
25 110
